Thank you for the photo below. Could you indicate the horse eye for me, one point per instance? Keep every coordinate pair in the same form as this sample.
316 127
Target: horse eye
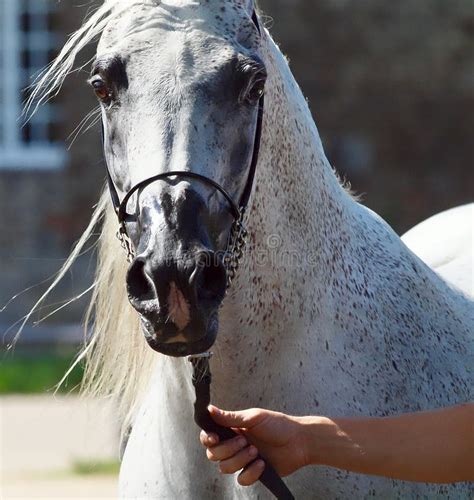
100 88
256 91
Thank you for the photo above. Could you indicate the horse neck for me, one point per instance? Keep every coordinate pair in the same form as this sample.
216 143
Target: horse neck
299 211
315 257
295 183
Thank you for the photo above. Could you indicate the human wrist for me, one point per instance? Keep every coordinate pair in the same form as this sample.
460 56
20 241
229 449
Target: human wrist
325 443
316 434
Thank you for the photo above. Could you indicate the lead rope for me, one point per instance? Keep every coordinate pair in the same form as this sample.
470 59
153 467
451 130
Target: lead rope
202 379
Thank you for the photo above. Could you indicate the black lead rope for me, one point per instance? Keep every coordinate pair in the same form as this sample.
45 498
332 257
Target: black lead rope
202 384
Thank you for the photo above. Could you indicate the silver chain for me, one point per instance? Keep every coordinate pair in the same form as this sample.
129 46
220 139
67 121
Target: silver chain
235 248
233 255
125 243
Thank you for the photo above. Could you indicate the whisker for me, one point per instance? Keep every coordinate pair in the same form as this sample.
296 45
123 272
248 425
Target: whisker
93 117
26 290
81 123
92 124
65 304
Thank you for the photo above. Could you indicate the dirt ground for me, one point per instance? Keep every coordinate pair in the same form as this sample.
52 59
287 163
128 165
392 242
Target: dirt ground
98 487
46 443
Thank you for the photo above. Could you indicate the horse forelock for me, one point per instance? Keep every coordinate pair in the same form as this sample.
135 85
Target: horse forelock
48 82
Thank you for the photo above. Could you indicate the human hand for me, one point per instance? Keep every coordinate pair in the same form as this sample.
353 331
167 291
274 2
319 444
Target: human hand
276 436
405 447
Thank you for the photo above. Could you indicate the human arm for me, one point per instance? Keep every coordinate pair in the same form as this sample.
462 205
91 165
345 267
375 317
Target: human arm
435 446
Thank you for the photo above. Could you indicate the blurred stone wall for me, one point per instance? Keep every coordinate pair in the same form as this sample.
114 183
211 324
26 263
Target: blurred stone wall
391 88
45 211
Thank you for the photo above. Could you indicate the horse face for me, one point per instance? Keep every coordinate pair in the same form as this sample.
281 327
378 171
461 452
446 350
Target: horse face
179 85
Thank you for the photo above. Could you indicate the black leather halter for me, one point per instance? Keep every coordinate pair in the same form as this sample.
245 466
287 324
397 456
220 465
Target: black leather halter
202 375
237 209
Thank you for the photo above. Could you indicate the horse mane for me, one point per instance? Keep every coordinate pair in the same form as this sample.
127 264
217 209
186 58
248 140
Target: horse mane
49 82
118 361
115 355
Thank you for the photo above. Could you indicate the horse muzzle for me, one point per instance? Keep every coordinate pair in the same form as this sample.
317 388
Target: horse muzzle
178 299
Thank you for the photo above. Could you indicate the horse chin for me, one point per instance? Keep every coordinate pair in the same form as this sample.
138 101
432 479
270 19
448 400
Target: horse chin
183 348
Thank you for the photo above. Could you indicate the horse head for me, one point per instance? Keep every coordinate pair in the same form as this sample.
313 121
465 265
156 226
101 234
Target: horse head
179 84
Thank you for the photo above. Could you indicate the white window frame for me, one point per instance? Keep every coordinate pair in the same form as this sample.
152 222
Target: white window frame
15 154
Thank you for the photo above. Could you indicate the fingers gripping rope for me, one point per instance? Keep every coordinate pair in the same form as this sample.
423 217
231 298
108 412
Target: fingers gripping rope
202 379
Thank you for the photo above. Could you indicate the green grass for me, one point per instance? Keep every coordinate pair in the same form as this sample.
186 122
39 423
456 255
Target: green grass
34 372
79 467
93 468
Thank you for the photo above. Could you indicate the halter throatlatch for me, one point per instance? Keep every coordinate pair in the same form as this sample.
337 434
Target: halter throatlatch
233 256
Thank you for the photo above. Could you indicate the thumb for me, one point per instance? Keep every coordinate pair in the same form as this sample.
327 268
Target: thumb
245 418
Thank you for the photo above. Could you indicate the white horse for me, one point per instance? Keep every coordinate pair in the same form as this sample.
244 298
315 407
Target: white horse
330 313
446 243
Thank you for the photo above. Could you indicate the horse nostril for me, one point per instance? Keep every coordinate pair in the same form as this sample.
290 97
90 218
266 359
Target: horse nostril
139 285
210 278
